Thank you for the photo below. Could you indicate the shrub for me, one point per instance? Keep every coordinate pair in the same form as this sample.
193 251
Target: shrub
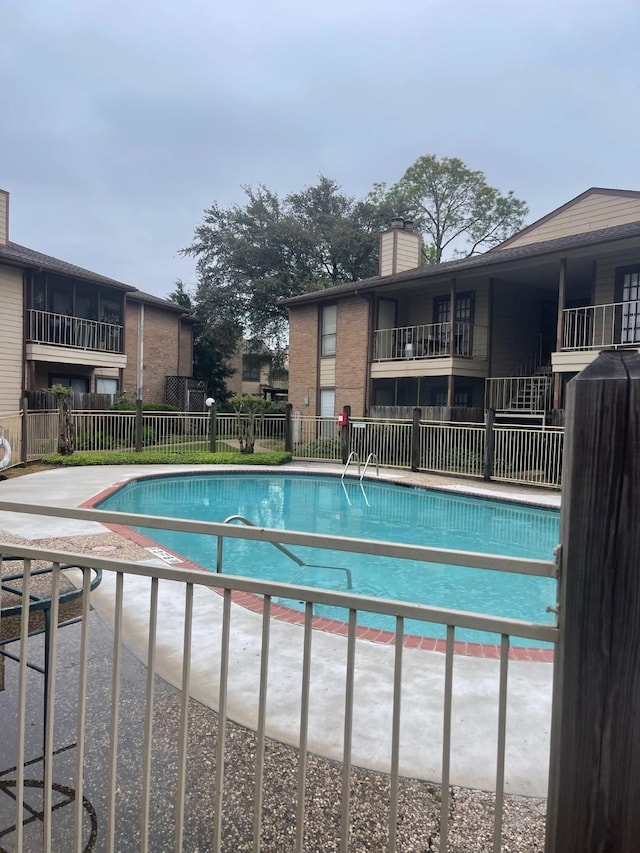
320 448
158 457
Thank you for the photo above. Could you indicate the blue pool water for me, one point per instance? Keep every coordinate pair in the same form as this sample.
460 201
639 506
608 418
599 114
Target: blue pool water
370 510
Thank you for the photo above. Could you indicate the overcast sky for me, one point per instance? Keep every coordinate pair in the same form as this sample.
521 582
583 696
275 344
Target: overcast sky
122 121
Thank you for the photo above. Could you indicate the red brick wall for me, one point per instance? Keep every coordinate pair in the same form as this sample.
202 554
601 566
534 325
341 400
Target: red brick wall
130 375
185 364
303 358
161 357
352 354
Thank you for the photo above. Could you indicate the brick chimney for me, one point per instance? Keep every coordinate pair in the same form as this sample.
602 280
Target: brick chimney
4 217
400 247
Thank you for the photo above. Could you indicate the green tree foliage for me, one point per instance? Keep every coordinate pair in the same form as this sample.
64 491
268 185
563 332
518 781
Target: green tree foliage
251 255
214 343
453 206
250 412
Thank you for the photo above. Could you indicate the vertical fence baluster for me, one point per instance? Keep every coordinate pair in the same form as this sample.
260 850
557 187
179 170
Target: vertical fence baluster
184 716
222 721
304 726
395 735
446 740
262 712
148 723
115 714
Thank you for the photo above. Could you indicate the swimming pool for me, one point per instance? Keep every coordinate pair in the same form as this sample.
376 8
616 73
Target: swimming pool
370 510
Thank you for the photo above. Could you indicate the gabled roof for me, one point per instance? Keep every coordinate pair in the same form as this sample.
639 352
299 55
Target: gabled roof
17 255
494 259
167 304
21 256
563 207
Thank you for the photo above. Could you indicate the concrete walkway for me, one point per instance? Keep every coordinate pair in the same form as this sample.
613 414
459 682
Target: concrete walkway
475 679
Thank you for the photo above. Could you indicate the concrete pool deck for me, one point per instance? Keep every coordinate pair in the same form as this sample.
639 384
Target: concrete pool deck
475 679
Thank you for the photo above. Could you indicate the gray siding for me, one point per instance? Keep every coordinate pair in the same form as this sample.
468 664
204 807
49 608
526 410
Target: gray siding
515 327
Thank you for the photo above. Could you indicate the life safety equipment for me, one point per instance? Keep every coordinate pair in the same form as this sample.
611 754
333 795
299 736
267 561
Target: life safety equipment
6 458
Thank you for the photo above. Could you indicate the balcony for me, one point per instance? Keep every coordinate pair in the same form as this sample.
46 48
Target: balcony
591 328
595 327
62 330
430 340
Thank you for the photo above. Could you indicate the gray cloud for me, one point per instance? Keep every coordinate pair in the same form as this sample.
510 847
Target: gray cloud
123 122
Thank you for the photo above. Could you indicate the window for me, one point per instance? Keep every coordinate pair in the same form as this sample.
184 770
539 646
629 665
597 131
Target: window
106 385
463 321
327 412
628 291
78 384
328 331
250 370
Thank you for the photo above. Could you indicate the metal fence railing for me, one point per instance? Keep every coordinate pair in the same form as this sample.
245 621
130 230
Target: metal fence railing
531 454
134 793
528 455
316 438
452 448
11 432
388 441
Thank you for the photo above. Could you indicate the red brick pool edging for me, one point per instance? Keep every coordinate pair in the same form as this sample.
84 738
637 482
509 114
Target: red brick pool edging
254 603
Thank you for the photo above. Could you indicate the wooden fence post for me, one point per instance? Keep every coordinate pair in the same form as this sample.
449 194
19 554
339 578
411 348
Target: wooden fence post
415 440
24 431
595 734
489 444
345 436
288 432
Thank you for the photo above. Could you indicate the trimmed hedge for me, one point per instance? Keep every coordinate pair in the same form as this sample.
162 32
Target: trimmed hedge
167 457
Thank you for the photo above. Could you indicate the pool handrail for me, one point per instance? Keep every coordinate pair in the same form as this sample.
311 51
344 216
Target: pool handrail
281 548
352 456
372 457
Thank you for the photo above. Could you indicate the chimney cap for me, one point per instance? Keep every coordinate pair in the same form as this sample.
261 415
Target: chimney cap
401 223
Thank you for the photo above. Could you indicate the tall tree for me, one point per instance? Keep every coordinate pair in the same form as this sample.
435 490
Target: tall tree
250 256
213 344
453 206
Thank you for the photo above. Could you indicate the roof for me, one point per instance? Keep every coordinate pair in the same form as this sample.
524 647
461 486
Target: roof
17 255
565 206
21 256
495 258
167 304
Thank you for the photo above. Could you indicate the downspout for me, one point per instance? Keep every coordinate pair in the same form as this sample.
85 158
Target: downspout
140 379
25 331
368 297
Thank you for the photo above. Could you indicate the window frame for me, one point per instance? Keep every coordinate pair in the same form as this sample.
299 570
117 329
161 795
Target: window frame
328 332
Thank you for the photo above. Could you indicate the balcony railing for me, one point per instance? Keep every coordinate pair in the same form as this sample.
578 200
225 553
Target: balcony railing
520 394
430 340
63 330
616 324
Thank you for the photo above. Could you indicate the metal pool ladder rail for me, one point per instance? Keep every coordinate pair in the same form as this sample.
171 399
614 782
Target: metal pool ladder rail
353 456
281 548
372 457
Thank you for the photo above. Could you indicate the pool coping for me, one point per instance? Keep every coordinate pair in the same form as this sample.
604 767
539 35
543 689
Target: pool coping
254 602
